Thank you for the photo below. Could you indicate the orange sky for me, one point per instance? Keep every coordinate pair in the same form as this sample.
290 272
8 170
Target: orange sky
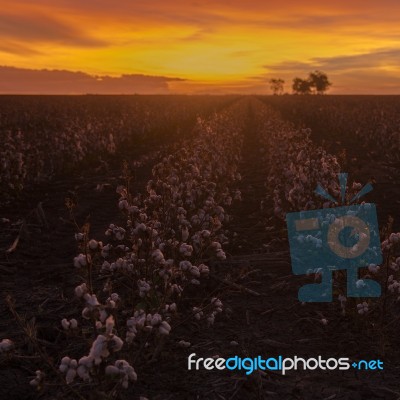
197 46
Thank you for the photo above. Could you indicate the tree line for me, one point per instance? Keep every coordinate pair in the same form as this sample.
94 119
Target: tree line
316 83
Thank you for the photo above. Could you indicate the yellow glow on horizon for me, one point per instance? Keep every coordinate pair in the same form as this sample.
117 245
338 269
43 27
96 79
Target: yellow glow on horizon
226 45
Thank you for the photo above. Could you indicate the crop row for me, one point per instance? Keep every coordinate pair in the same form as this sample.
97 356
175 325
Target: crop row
295 164
150 272
45 136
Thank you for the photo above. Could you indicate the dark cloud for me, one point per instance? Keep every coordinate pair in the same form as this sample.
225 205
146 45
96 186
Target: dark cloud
28 81
375 59
35 28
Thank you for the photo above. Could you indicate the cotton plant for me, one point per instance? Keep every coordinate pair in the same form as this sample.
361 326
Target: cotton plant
6 345
172 231
35 152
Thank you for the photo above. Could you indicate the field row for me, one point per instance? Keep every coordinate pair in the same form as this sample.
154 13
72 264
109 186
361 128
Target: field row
42 137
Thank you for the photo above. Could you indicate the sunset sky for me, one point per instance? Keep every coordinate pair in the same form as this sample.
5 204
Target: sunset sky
176 46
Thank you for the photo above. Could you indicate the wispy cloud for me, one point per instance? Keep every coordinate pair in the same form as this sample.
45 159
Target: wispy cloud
28 81
41 28
373 59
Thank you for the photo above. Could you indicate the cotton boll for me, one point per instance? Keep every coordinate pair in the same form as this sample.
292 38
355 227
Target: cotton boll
195 271
79 237
73 323
156 319
164 328
110 325
112 370
86 313
83 373
185 234
65 324
93 244
80 261
204 270
123 204
116 343
70 376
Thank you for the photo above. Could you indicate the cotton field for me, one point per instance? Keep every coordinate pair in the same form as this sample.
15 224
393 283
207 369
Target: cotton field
136 232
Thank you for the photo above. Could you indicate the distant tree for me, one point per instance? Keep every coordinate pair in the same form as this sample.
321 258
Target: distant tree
276 85
319 82
301 86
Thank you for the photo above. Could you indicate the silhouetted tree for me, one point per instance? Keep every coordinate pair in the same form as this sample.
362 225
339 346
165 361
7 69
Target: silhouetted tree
319 82
276 85
301 86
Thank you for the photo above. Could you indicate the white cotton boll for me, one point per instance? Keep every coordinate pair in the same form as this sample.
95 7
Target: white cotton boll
93 244
197 313
105 251
185 265
184 344
221 255
112 370
34 382
65 324
86 361
205 234
99 325
186 249
83 373
155 319
393 238
79 237
195 271
86 313
91 300
103 315
63 368
123 204
73 323
217 303
195 282
99 349
80 261
71 374
120 234
185 234
110 325
373 268
115 297
204 270
324 321
158 256
117 343
394 266
172 307
164 328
